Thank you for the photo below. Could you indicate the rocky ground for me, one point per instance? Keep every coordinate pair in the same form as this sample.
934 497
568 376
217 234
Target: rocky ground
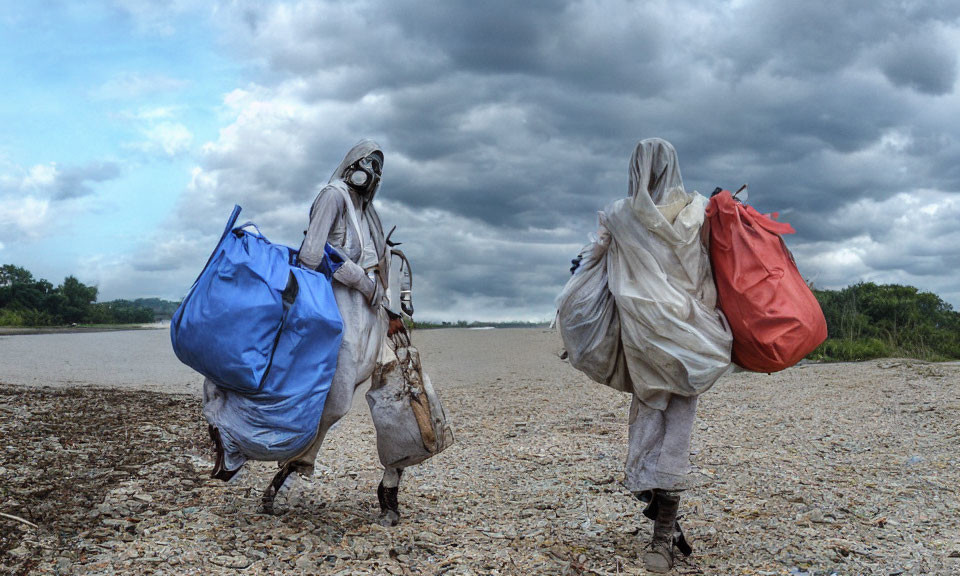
821 469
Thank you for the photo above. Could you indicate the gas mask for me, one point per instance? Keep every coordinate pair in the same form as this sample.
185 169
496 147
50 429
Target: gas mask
364 174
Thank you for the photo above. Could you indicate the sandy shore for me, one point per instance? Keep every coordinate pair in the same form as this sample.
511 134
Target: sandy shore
843 468
18 331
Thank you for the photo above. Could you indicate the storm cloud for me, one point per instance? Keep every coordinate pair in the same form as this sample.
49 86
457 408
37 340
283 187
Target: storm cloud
506 127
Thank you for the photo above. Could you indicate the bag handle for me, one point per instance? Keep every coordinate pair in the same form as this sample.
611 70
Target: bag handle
249 223
406 282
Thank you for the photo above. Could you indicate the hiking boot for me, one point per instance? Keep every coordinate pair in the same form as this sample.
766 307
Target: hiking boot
659 556
389 502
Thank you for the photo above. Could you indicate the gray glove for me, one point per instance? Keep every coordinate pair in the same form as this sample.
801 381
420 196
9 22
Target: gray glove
352 275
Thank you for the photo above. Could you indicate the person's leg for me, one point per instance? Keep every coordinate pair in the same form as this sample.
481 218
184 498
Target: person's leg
673 461
658 463
335 407
644 441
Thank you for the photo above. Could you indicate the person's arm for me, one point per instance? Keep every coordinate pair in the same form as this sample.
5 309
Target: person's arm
329 205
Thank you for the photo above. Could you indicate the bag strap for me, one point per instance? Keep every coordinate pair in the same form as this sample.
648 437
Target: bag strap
352 213
768 223
400 338
231 221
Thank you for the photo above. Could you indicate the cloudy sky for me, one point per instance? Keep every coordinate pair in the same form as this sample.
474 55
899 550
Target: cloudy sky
130 128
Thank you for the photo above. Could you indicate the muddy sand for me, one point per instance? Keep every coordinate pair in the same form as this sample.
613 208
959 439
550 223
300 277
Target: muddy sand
821 469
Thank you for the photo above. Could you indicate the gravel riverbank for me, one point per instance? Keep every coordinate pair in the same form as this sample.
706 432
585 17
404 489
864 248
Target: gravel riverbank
840 468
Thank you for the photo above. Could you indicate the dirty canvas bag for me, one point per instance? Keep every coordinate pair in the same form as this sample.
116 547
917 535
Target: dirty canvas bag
775 318
410 421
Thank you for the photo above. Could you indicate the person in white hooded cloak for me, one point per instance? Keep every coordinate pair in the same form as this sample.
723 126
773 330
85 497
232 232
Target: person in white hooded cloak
640 315
343 216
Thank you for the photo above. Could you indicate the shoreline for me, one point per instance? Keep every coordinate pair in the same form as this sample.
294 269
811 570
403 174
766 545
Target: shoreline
31 331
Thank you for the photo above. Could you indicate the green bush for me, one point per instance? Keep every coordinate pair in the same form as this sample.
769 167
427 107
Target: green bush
11 318
38 318
870 320
837 350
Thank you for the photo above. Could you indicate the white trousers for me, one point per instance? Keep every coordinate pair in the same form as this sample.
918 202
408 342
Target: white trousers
658 456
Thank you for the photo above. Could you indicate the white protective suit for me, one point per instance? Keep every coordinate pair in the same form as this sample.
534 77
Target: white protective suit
360 299
640 314
674 338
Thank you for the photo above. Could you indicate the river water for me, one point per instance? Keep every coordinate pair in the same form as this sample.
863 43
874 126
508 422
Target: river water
144 359
138 359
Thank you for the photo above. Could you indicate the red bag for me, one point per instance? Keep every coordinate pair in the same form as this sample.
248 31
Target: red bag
775 318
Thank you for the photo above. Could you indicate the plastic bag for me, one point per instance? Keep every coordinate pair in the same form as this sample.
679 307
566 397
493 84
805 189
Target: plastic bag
675 341
588 320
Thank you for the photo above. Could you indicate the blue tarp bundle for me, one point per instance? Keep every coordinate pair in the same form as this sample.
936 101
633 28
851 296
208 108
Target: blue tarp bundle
267 333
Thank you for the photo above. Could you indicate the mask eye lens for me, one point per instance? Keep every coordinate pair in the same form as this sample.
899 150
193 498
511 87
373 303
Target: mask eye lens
371 164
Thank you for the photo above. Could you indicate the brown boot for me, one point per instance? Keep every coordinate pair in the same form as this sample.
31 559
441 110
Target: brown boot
659 556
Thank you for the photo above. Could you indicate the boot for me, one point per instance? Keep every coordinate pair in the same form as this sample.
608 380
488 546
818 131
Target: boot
219 471
650 511
389 505
659 556
390 502
270 494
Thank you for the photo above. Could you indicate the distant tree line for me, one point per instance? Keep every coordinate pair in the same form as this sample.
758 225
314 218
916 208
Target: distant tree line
870 320
28 301
864 321
161 308
427 325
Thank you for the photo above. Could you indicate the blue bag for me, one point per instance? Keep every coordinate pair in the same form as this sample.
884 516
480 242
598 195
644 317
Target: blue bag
267 333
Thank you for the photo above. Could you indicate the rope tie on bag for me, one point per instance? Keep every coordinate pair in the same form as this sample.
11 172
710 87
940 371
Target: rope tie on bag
413 386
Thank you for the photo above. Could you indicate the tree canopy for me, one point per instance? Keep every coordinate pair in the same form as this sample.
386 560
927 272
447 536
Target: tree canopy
27 301
870 320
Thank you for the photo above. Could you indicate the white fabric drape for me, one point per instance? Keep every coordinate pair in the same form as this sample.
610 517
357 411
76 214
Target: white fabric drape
672 339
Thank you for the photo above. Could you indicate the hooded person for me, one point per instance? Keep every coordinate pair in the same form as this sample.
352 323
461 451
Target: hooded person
343 216
668 342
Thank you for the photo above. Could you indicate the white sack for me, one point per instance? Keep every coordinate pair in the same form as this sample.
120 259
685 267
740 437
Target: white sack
674 338
588 320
